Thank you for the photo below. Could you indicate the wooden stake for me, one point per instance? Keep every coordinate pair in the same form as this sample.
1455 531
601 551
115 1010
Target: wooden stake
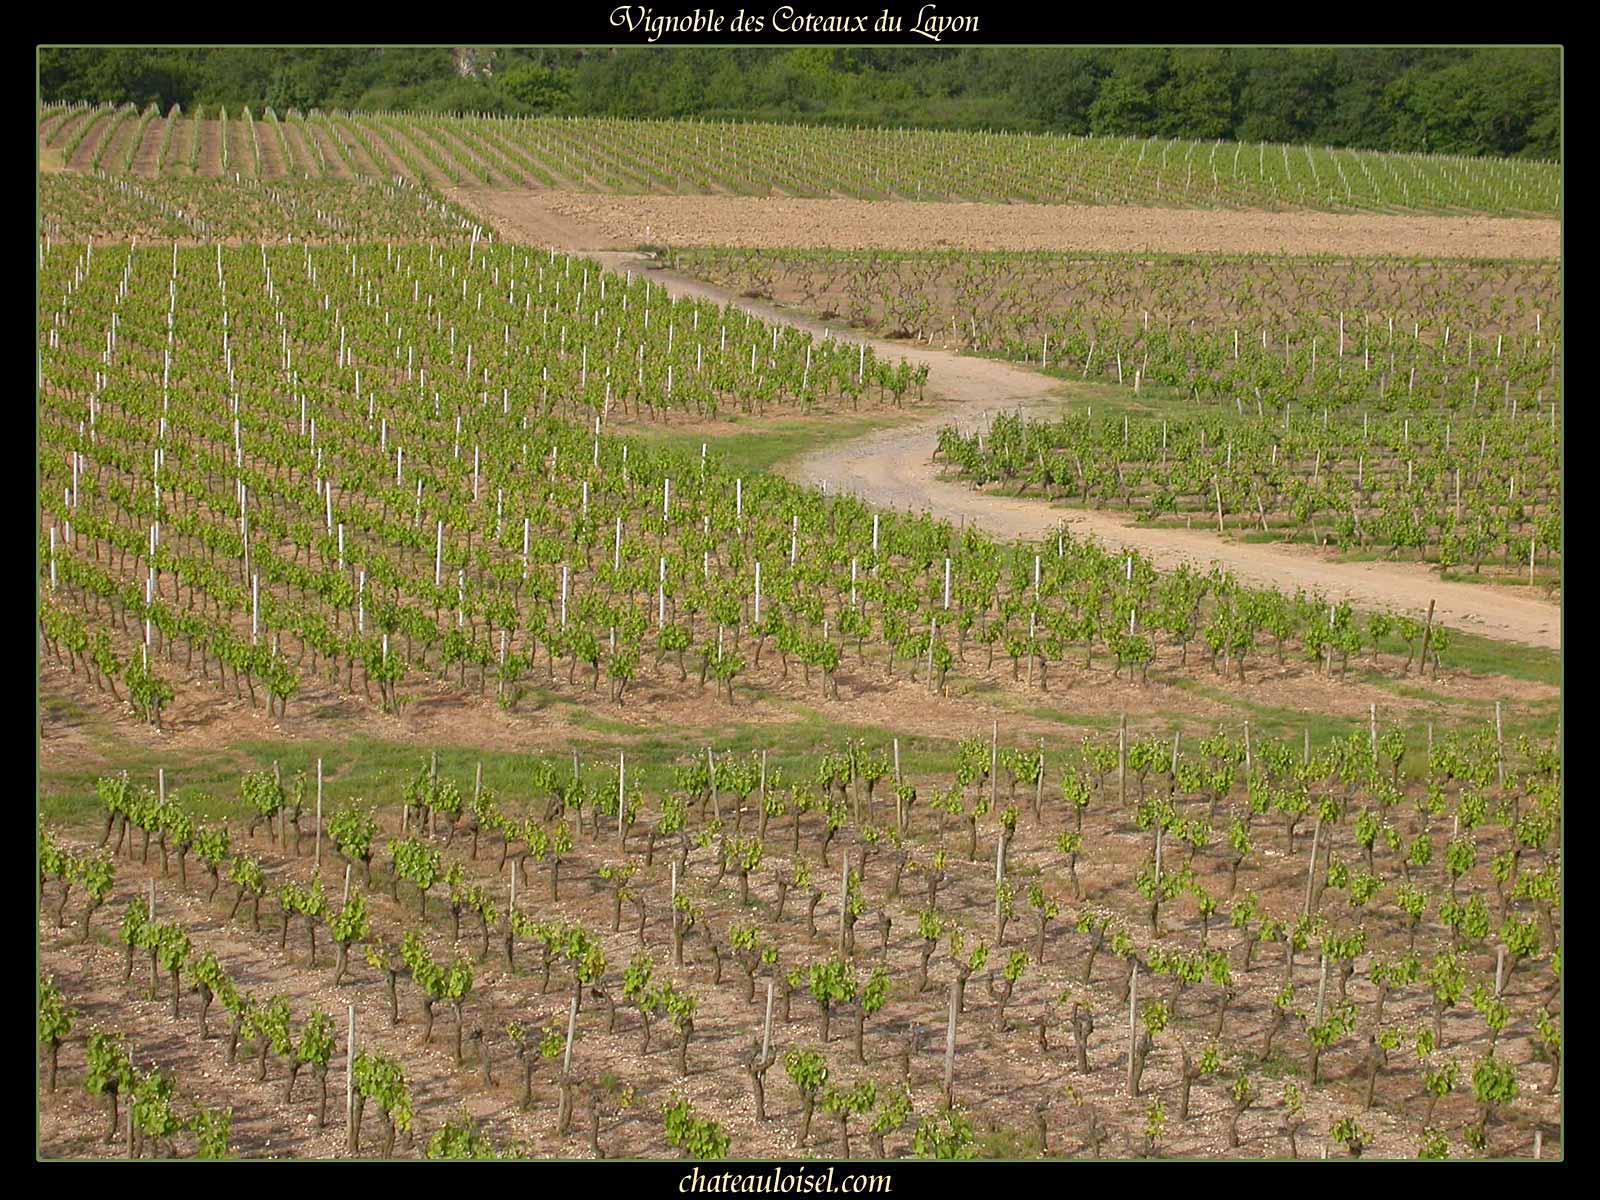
844 896
350 1070
994 766
1038 784
711 779
319 814
1311 871
1133 1024
1427 632
1122 760
950 1047
572 1029
766 1029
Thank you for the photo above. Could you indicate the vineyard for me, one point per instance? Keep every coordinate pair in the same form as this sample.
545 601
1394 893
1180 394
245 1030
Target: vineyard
1244 332
454 745
1298 948
754 159
293 520
1458 491
100 207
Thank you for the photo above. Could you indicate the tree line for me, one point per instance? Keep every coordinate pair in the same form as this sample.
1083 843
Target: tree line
1484 101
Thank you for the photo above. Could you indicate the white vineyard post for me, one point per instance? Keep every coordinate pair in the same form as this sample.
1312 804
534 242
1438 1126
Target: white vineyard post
319 815
1499 746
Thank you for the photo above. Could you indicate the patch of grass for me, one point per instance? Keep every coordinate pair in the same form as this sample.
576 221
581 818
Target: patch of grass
1286 724
366 770
587 718
753 444
1278 1066
1290 725
1003 1142
1545 580
1485 656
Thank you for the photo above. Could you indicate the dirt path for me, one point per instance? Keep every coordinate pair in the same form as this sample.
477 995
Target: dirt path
840 224
895 468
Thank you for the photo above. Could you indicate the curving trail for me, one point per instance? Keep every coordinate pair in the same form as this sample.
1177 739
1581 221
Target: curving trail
894 468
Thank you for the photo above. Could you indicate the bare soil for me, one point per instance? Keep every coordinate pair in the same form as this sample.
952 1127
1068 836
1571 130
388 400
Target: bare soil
272 164
209 164
913 225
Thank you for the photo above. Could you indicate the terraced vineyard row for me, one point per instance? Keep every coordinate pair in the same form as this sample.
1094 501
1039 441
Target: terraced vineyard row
755 159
